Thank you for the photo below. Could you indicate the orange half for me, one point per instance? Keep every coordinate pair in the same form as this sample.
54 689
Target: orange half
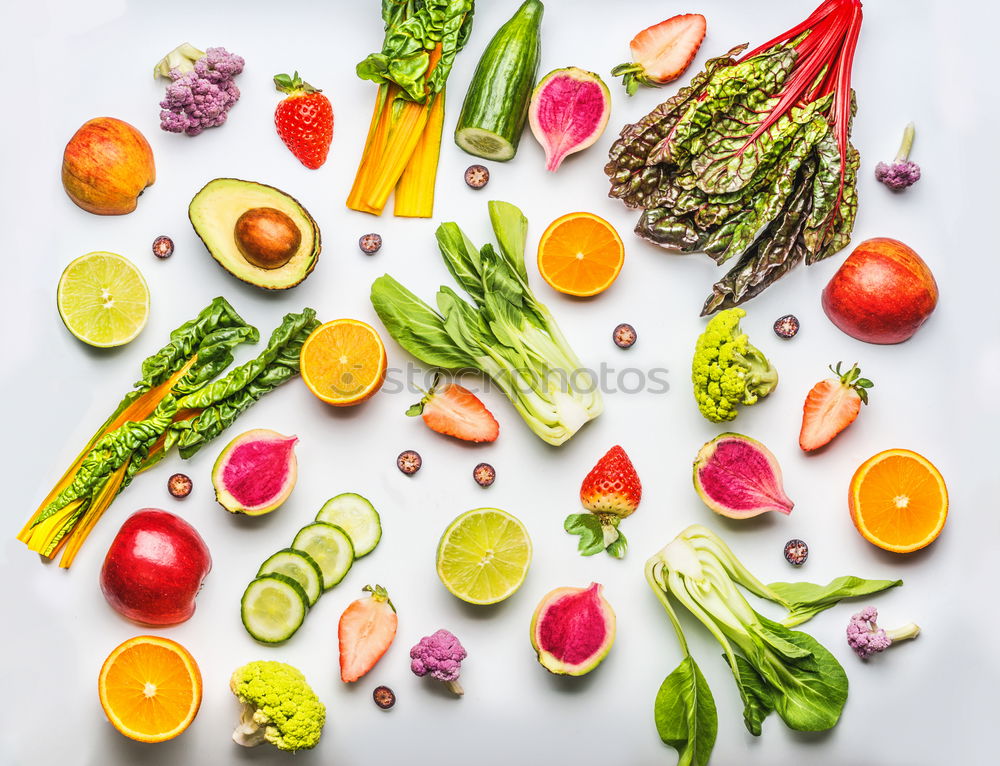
898 501
343 362
580 254
150 688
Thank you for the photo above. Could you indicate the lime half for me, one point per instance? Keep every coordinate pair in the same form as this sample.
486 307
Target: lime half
103 299
483 556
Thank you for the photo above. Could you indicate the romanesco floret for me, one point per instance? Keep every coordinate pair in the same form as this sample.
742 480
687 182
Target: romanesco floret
727 370
278 707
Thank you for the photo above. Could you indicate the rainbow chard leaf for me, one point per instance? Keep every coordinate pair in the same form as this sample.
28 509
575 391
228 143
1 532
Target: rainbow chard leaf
753 159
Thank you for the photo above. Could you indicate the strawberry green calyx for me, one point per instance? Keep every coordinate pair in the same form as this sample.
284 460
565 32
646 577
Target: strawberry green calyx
293 85
633 75
379 594
852 379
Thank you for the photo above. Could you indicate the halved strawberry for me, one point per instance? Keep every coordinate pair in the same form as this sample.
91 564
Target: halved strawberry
367 628
661 53
832 405
456 411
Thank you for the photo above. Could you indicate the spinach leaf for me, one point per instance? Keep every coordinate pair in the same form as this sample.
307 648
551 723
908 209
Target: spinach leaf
805 600
685 714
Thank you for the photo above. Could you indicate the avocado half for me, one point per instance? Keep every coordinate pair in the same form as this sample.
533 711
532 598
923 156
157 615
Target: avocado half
214 212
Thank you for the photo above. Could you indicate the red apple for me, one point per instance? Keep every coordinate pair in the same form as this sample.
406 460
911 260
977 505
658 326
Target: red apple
154 568
106 165
882 293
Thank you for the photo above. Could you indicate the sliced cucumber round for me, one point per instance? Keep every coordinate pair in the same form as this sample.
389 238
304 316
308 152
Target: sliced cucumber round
356 516
485 144
298 565
329 546
273 607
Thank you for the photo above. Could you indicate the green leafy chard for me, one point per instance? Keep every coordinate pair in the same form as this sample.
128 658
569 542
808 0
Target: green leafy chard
753 159
775 668
505 332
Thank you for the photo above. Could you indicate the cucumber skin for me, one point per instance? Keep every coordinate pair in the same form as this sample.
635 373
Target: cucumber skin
500 92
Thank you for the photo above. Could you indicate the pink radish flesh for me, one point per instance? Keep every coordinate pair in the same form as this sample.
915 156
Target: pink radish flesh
741 478
568 114
256 472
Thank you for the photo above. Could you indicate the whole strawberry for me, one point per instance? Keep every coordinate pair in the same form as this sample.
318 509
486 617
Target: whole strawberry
304 120
610 492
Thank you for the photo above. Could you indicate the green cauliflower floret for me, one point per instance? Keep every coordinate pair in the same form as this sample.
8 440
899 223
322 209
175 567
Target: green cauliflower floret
278 707
727 370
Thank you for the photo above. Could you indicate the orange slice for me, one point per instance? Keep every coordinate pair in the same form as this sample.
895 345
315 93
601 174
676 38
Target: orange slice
898 501
580 254
150 688
343 362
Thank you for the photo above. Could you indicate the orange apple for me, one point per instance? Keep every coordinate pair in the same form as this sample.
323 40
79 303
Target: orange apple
882 293
106 165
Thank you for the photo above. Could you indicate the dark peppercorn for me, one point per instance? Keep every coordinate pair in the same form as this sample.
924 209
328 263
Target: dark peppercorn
477 176
370 243
625 336
786 326
796 552
384 697
163 247
409 462
179 485
484 474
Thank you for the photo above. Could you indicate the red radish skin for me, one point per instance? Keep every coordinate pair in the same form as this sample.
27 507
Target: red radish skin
738 477
882 293
569 111
573 629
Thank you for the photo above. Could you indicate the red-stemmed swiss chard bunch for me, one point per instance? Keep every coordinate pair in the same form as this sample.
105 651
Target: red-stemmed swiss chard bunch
752 160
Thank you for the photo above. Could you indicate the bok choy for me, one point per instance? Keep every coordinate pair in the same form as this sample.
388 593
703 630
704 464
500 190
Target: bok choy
178 403
775 668
504 331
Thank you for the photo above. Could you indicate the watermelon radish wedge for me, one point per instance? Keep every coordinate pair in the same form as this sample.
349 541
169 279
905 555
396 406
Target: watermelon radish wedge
739 477
568 112
256 472
573 630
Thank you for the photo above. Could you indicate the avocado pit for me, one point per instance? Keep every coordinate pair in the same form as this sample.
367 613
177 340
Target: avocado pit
266 237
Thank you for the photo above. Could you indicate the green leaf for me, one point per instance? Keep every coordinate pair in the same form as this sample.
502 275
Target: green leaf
809 696
619 546
511 230
685 714
804 600
758 700
462 259
416 326
588 526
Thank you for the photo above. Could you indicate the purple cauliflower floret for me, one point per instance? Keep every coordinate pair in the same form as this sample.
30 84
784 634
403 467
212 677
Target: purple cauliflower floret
439 655
900 173
201 91
866 638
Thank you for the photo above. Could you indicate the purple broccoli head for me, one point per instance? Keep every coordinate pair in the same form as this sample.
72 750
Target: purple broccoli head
439 655
866 638
900 173
201 93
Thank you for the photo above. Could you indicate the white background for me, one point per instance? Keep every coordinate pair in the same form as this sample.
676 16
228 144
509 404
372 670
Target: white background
926 702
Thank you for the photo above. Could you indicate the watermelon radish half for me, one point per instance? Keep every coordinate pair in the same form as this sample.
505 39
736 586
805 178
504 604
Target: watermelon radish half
573 629
569 111
739 477
256 472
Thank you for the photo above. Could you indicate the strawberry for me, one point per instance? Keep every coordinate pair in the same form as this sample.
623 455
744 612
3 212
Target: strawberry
610 492
304 120
367 628
456 411
831 406
662 52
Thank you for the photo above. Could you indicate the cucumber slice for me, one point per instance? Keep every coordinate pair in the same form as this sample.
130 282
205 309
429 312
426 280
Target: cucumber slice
330 547
273 607
485 144
298 565
356 516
